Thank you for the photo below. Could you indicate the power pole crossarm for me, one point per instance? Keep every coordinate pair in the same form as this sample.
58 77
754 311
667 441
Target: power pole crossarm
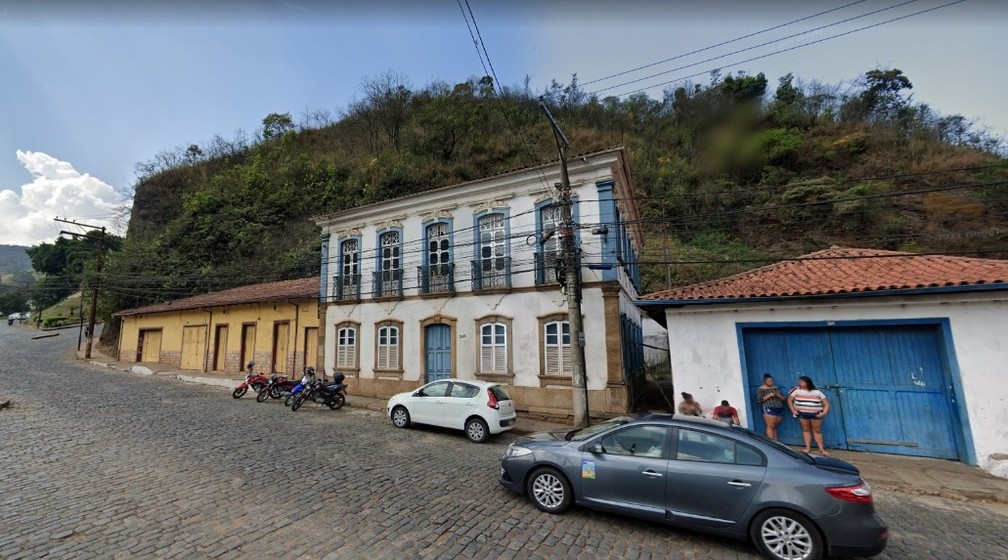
579 381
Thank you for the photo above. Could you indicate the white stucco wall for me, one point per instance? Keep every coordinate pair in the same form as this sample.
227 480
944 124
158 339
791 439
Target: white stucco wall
524 309
704 349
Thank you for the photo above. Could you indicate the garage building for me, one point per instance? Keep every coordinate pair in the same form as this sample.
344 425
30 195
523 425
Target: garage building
910 349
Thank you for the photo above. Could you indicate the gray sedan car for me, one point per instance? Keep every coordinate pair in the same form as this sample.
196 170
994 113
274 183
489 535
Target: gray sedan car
705 475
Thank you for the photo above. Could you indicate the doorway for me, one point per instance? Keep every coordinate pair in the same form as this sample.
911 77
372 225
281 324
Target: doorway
281 339
220 348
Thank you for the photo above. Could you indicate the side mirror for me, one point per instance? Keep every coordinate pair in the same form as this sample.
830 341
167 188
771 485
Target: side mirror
419 394
596 448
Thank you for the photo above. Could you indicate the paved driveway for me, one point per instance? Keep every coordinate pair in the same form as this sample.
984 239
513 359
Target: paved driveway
98 463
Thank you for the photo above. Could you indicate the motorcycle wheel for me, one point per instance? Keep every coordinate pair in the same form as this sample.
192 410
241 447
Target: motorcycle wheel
239 392
289 399
262 396
337 402
275 393
298 400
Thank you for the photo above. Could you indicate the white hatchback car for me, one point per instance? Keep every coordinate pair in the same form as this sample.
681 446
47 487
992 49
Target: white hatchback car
477 407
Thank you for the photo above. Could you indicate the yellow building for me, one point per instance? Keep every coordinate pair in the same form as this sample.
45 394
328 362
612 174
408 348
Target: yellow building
275 325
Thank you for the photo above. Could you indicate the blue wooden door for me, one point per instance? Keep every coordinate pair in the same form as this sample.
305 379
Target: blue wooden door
437 353
893 385
787 354
888 385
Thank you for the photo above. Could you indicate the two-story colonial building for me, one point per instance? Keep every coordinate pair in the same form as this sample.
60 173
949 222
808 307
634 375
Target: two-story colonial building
462 281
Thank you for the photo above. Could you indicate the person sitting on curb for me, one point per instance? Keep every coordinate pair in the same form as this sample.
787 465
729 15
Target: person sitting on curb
726 413
688 406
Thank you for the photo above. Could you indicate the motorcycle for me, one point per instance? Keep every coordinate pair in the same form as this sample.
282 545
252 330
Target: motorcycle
255 381
306 380
332 394
277 387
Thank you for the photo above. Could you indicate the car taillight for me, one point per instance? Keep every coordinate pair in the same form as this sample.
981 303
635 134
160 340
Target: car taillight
859 493
492 403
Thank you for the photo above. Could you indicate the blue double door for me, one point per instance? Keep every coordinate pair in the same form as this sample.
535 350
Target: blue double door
889 386
437 352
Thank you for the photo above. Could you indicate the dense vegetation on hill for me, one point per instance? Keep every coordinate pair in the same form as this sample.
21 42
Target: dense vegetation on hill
729 173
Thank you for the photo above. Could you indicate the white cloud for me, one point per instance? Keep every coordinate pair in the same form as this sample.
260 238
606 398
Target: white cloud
56 189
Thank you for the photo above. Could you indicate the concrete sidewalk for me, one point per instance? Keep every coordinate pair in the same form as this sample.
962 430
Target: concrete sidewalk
892 473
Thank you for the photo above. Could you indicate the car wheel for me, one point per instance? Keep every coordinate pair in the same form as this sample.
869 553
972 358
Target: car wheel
477 430
782 534
400 417
549 491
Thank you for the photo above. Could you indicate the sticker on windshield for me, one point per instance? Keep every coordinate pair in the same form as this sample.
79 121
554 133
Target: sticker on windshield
588 469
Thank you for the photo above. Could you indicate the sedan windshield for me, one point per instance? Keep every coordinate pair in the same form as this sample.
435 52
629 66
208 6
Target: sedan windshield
582 434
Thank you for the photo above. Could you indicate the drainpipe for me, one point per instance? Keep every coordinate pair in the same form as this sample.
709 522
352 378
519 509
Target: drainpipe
206 345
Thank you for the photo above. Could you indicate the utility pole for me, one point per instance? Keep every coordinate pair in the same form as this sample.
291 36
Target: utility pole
94 285
572 276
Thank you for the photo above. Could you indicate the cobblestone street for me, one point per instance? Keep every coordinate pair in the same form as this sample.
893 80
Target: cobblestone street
96 463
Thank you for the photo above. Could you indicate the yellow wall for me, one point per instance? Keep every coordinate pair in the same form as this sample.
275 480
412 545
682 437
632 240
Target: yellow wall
264 316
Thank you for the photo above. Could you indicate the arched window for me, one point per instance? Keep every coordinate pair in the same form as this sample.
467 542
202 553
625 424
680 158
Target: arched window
347 348
493 264
388 344
388 278
493 348
556 348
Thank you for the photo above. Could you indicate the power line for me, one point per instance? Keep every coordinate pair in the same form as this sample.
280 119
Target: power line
753 47
802 45
721 44
477 39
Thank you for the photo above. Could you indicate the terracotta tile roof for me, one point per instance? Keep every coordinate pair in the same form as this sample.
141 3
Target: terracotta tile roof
845 271
303 288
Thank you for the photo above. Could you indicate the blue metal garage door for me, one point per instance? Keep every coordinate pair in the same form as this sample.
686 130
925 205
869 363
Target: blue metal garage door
888 385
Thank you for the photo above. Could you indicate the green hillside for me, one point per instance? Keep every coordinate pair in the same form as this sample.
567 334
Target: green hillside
13 258
729 173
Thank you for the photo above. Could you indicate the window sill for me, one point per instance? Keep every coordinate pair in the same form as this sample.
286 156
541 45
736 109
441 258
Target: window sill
388 374
388 298
503 378
436 295
491 291
561 380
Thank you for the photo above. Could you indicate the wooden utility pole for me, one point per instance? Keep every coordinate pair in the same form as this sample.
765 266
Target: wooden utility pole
94 285
572 277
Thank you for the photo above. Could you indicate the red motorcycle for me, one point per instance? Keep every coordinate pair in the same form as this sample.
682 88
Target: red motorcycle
256 381
276 388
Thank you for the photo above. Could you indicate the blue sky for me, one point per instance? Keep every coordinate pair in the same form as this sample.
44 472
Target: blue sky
89 89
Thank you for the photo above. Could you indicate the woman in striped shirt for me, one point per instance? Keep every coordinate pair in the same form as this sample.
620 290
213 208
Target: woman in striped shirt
809 405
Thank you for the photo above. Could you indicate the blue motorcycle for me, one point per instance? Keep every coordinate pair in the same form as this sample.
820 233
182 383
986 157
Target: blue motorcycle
331 394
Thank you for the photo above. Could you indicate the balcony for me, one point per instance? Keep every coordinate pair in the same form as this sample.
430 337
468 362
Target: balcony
346 287
388 283
436 278
491 274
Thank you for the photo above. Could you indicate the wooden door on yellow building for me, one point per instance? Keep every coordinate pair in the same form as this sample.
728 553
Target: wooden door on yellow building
220 348
311 347
248 344
149 346
193 346
281 336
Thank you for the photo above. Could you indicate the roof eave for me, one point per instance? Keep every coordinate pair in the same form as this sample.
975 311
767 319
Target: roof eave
662 304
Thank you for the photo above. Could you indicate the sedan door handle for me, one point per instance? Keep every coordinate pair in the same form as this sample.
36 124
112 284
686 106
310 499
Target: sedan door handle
739 484
652 474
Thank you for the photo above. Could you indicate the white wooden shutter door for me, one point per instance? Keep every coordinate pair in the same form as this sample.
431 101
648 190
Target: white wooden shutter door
486 358
500 358
393 356
567 360
552 360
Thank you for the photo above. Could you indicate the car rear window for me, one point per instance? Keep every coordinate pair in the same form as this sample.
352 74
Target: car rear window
499 393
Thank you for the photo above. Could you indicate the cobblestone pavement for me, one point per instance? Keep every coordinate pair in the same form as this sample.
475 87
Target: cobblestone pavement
97 463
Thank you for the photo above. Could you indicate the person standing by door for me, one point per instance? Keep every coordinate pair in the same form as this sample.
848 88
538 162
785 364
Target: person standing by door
809 405
771 399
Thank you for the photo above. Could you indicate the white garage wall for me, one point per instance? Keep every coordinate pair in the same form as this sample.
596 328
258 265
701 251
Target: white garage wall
704 349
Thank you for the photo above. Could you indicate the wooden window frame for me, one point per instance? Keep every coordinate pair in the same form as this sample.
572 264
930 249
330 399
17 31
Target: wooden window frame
377 329
495 376
357 345
552 379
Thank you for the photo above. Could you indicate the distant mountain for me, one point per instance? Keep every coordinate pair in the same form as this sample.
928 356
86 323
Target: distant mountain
13 258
